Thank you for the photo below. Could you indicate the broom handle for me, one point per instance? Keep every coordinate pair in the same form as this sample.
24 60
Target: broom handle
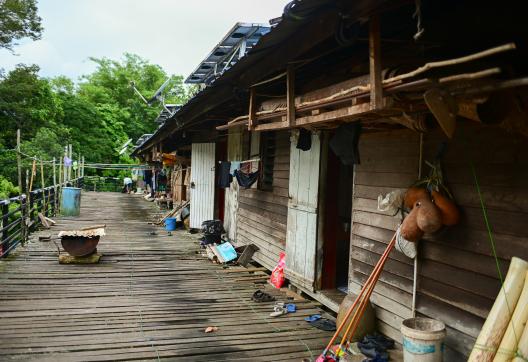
351 309
359 312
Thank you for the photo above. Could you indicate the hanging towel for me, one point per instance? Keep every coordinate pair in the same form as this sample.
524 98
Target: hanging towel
246 179
224 177
345 143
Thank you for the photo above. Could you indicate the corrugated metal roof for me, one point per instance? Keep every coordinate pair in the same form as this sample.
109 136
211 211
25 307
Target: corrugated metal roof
238 41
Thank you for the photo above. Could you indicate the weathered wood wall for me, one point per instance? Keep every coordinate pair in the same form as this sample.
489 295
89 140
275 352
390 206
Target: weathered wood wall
262 215
458 280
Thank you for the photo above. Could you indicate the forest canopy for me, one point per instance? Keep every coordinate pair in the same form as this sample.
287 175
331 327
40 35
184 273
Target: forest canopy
97 115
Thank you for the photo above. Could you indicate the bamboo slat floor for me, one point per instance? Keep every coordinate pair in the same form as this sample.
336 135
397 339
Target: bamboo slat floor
151 297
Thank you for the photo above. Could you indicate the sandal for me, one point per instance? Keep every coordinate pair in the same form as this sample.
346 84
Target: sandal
313 318
260 297
324 324
278 311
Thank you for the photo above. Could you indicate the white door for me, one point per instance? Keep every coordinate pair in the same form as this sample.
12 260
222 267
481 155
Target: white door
301 236
202 183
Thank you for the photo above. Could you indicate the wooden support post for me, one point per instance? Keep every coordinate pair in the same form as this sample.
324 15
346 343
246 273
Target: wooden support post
376 94
20 188
252 109
42 182
290 95
82 169
70 156
64 171
54 173
33 173
43 186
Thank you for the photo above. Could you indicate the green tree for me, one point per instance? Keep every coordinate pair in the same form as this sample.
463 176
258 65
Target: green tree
26 103
111 84
18 19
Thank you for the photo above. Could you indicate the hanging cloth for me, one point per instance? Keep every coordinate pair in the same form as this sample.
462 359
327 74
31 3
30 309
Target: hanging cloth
246 179
345 143
304 142
224 177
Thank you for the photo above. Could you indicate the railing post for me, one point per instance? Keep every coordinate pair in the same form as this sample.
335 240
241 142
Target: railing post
5 222
31 212
23 217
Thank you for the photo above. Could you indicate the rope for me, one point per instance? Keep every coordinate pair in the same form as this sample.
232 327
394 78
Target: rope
491 240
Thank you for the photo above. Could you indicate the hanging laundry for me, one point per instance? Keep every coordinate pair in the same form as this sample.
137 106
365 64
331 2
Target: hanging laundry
246 179
345 143
235 165
75 165
304 142
224 177
67 161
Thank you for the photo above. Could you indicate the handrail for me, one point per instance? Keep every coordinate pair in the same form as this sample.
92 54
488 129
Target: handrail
17 222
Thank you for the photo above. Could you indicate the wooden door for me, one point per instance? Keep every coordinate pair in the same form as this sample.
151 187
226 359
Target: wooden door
202 183
301 233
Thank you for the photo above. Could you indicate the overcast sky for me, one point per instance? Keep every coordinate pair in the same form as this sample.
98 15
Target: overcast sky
176 34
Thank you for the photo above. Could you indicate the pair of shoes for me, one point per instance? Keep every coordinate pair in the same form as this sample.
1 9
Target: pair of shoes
278 310
260 297
281 308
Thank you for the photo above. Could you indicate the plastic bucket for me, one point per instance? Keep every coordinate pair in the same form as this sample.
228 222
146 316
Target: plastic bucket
423 340
170 224
71 201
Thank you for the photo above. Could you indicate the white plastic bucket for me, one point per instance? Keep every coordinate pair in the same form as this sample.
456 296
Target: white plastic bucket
423 340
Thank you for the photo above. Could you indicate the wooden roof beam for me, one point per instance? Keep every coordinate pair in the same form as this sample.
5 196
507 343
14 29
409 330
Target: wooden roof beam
290 95
376 90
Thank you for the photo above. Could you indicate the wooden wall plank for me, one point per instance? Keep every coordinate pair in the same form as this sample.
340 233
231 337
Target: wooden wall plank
457 277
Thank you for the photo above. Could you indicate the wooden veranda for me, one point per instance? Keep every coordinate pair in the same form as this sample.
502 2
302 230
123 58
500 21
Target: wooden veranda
151 297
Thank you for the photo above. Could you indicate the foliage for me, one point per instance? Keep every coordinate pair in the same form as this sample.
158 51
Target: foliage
26 102
7 189
18 19
97 115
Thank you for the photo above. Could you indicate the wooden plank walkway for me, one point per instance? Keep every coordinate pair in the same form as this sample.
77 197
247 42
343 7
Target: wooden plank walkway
151 297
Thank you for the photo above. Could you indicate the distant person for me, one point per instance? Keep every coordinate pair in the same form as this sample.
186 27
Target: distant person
128 185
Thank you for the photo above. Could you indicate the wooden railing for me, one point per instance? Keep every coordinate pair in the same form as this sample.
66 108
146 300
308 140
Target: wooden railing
20 214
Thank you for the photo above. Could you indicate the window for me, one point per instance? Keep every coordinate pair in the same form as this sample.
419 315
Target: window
267 160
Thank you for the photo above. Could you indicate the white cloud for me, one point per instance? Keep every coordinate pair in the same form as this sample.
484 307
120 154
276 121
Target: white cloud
175 34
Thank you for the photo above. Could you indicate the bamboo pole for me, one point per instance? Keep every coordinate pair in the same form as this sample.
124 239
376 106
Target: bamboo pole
43 186
60 171
500 314
70 156
33 173
54 174
20 188
65 171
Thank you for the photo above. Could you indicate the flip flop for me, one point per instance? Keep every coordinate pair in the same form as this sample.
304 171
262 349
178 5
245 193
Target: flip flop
291 308
313 318
260 297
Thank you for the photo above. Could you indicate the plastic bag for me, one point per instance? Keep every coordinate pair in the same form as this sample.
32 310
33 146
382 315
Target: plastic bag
277 275
391 202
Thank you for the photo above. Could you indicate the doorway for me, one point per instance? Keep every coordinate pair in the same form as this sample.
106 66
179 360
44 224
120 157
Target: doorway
336 225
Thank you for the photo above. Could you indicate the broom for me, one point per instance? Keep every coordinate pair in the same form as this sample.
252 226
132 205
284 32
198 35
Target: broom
362 298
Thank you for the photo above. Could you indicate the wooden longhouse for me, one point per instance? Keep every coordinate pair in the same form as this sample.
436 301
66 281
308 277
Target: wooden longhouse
420 78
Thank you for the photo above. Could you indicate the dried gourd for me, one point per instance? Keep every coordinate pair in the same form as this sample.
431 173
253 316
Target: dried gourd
409 228
412 195
449 212
428 218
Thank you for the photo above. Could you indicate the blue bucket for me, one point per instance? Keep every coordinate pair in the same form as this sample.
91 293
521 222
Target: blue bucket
71 201
170 224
